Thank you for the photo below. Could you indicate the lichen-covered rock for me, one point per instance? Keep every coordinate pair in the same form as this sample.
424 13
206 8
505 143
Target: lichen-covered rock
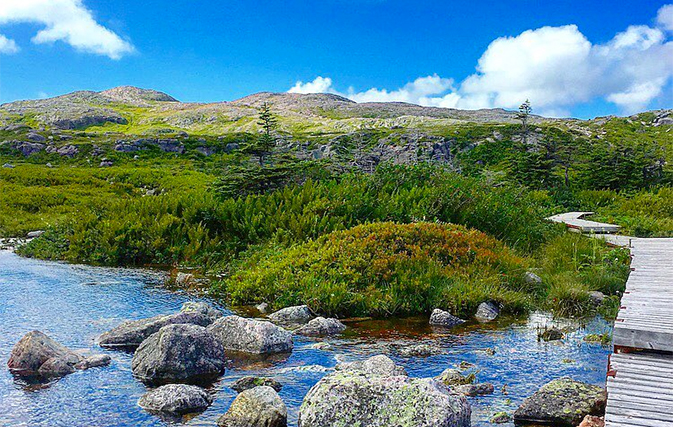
321 326
453 377
249 382
38 355
351 397
251 336
376 365
532 278
419 350
500 418
179 353
551 334
133 332
487 311
257 407
176 398
202 308
444 318
475 389
562 401
299 314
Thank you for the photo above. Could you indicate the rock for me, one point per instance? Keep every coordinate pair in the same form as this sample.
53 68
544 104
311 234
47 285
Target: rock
321 346
176 398
597 297
453 377
133 332
419 350
232 146
444 318
475 389
552 334
206 151
592 421
34 234
501 418
105 163
262 307
184 279
300 314
353 398
38 355
179 353
487 311
320 327
257 407
532 278
8 166
251 336
376 365
35 137
249 382
212 314
563 401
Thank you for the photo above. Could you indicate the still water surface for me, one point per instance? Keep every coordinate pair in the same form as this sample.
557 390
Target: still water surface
74 304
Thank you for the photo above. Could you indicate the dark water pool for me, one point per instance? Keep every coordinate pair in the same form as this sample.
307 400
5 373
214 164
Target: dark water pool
74 304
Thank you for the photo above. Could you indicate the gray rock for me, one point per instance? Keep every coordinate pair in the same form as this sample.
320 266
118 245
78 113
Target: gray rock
184 279
249 382
257 407
472 390
133 332
211 313
419 350
206 151
487 311
179 353
597 297
176 398
232 146
444 318
532 278
106 163
34 234
66 150
38 355
262 307
94 361
27 148
351 398
377 365
453 377
8 166
562 401
35 137
501 418
552 334
320 327
300 314
251 336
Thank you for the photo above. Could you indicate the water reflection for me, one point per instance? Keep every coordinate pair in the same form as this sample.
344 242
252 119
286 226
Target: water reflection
74 304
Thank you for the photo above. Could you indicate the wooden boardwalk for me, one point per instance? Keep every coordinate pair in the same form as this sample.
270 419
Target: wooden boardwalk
640 371
575 220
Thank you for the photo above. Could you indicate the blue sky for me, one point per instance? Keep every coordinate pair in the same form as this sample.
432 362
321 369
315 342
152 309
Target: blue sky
567 56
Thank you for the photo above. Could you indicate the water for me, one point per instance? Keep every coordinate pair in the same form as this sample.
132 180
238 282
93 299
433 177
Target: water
74 304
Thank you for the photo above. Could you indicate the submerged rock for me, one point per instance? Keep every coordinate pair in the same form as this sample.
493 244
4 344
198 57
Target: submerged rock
381 398
376 365
132 333
249 382
176 398
562 401
321 326
179 353
38 355
300 314
419 350
251 336
487 311
444 318
257 407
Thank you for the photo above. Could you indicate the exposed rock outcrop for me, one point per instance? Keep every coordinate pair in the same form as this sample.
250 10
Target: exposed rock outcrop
179 353
257 407
563 401
251 336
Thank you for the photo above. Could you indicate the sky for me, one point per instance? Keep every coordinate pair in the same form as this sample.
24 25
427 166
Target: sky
569 58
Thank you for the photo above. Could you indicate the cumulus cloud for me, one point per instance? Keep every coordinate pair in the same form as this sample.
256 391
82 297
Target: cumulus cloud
8 45
555 68
319 85
65 20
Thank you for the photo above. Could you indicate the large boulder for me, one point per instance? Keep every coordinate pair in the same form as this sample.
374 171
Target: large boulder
299 314
38 355
179 353
251 336
563 401
380 398
257 407
176 398
444 318
133 332
321 326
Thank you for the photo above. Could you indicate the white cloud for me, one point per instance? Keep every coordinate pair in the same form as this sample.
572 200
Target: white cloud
665 17
319 85
8 45
555 67
68 21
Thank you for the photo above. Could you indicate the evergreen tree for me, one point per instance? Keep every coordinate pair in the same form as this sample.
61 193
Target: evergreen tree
523 115
263 145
